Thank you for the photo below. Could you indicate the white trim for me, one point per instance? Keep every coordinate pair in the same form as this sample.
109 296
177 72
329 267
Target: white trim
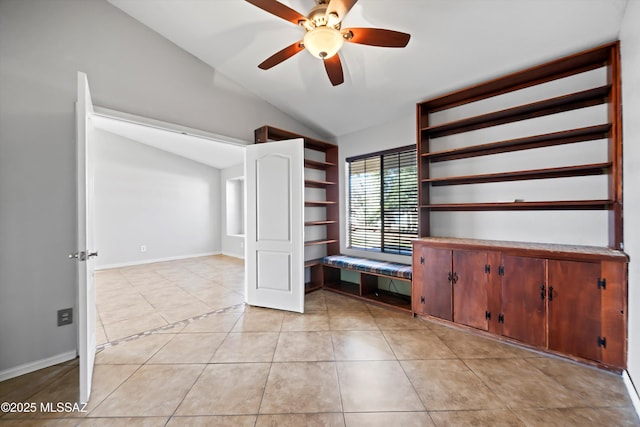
153 261
36 365
239 256
631 389
171 127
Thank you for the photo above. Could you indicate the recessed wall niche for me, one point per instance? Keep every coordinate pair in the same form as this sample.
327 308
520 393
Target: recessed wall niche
235 206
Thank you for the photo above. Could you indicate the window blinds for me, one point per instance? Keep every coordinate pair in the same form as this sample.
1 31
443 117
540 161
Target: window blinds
383 200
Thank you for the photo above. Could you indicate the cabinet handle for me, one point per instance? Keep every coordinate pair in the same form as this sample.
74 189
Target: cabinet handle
550 293
449 277
455 277
542 292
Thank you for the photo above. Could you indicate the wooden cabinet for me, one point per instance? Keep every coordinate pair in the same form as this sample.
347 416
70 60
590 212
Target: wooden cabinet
569 300
431 285
451 285
574 308
522 299
470 273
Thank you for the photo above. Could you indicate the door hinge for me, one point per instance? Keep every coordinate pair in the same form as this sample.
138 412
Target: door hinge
501 270
602 342
80 256
487 315
602 283
421 300
487 268
83 255
421 260
500 318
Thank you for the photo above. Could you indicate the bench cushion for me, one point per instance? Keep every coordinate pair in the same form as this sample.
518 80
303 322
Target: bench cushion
392 269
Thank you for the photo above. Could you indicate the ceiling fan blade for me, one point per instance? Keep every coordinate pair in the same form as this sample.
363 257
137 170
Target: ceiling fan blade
282 55
278 9
340 8
377 37
334 69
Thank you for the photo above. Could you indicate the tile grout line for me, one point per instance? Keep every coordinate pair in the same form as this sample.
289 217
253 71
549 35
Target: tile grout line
161 329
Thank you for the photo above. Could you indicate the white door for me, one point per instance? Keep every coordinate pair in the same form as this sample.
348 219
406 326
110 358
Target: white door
274 258
86 249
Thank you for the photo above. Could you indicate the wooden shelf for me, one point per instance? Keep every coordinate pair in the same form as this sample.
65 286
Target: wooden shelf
319 203
343 287
315 164
310 287
586 98
317 184
538 141
312 223
270 133
559 68
562 172
319 242
389 299
513 206
542 134
312 262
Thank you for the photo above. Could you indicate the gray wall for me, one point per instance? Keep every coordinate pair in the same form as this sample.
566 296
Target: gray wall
43 44
146 196
630 43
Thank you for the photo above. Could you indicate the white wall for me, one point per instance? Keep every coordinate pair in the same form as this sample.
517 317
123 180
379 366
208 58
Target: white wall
398 133
630 44
43 44
146 196
231 245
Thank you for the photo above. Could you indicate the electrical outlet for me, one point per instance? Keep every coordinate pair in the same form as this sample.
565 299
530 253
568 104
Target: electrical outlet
143 248
65 316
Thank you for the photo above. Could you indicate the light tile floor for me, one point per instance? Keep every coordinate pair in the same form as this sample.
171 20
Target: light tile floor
342 363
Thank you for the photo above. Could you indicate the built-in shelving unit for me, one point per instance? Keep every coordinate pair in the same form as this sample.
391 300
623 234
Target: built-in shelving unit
367 289
566 299
321 199
430 133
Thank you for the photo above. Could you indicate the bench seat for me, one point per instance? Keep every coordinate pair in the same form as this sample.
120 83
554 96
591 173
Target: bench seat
383 268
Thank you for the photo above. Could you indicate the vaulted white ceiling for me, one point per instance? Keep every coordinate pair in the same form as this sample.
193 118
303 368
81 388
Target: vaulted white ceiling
206 150
453 43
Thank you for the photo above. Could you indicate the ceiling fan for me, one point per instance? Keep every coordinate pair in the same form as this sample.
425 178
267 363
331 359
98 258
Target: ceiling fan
324 35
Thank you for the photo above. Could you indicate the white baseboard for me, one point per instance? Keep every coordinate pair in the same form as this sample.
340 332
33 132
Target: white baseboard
36 365
153 261
233 255
633 392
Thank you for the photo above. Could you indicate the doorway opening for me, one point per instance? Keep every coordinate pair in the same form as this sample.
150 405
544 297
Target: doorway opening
162 216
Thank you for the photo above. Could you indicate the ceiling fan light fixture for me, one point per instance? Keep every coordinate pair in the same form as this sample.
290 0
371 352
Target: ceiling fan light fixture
323 42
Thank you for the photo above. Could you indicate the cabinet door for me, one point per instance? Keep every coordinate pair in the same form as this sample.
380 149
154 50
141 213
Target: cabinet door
470 281
523 299
436 287
574 308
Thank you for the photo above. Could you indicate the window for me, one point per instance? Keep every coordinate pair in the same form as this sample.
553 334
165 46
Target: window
383 201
